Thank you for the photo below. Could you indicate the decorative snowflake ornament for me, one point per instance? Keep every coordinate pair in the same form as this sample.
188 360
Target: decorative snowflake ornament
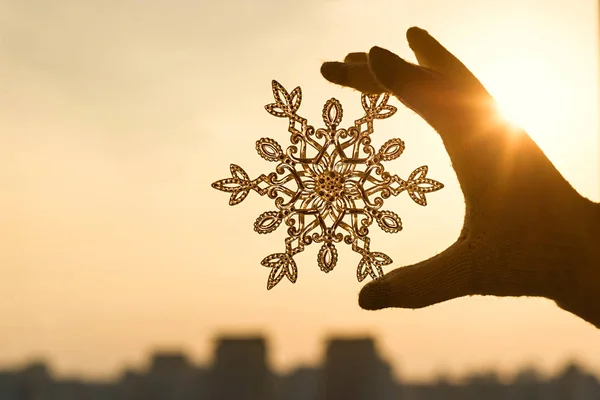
328 186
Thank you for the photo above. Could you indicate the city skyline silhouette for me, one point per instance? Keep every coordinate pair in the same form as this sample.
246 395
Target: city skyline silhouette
352 369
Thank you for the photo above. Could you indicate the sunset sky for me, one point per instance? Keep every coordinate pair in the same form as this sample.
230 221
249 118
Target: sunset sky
116 116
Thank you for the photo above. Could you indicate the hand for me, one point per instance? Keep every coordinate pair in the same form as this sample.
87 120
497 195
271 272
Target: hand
526 232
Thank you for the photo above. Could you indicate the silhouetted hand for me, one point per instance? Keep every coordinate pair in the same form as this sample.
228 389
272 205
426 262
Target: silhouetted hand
526 232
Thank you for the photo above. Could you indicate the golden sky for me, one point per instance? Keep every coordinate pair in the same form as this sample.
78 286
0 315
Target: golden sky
115 117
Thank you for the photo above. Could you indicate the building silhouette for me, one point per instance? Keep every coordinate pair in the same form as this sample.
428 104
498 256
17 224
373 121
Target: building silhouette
353 370
35 382
240 370
574 383
171 376
300 384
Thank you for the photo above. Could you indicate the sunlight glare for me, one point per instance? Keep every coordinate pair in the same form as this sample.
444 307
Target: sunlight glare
530 95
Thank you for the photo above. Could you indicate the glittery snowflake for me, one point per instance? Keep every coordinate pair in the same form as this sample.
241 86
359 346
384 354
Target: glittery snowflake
328 186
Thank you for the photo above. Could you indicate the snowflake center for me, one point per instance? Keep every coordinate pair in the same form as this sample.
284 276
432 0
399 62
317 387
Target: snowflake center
329 185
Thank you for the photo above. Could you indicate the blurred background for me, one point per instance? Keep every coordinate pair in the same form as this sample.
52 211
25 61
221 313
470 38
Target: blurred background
115 117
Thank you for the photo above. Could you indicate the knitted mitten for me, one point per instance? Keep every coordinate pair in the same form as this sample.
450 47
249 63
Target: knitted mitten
526 232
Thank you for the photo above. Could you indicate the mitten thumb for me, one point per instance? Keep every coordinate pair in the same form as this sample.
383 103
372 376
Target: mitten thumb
443 277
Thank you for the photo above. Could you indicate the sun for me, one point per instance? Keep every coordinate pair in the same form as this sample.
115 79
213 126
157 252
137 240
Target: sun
531 95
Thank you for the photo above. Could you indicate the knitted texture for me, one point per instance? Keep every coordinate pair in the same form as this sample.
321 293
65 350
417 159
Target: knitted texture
527 232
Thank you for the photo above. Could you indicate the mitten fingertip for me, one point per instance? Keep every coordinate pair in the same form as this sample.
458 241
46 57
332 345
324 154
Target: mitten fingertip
374 295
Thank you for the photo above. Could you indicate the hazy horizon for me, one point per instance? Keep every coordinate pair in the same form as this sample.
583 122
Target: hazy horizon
506 377
117 115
